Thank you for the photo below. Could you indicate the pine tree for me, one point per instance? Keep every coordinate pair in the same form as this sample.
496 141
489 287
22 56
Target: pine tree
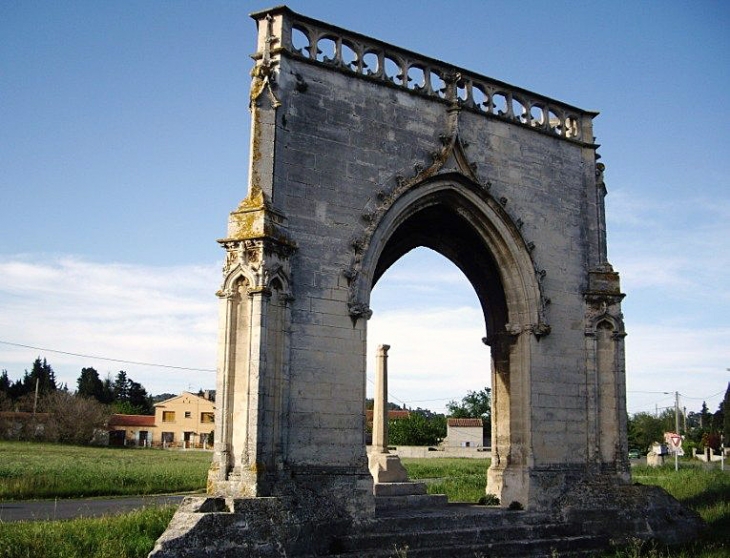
107 391
43 374
120 389
4 382
89 385
139 399
705 416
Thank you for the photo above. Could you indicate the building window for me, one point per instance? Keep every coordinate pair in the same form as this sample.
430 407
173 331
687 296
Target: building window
188 414
207 417
168 437
168 416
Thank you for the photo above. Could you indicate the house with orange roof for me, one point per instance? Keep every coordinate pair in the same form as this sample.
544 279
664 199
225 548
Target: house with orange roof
464 433
184 421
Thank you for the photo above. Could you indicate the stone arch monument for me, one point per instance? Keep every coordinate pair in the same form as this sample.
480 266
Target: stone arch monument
361 152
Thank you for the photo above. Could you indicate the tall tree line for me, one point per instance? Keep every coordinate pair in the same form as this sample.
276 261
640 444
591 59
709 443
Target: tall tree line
702 429
121 393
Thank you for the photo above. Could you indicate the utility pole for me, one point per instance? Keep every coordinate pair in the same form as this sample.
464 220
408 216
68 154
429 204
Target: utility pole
676 429
35 399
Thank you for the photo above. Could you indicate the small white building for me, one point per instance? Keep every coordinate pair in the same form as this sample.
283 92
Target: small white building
464 433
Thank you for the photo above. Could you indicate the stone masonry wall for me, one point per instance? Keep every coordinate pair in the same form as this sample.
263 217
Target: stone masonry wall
339 141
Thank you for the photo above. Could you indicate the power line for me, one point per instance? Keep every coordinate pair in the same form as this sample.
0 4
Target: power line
107 358
706 397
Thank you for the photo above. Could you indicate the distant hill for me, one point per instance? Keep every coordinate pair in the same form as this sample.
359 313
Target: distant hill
163 397
209 394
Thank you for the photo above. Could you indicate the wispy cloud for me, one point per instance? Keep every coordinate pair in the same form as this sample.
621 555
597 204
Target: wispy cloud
691 361
164 315
672 256
168 315
677 246
436 355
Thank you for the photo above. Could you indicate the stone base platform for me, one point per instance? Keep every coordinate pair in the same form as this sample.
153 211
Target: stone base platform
421 526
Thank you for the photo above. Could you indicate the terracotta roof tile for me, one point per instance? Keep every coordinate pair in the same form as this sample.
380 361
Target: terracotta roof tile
132 420
392 415
469 422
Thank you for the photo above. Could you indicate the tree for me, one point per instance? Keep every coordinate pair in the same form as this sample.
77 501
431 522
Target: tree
130 397
475 404
107 390
705 416
75 419
417 430
120 388
4 382
42 372
16 390
370 405
645 428
90 385
139 399
6 403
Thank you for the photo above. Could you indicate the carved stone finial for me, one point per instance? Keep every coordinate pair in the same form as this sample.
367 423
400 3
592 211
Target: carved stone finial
263 72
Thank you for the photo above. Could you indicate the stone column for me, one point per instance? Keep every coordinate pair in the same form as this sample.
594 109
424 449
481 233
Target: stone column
380 406
384 466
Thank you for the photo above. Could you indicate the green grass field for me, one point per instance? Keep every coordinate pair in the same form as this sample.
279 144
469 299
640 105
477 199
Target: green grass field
129 535
706 491
37 471
42 470
462 479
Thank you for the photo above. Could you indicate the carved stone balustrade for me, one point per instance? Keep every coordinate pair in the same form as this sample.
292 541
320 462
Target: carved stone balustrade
317 42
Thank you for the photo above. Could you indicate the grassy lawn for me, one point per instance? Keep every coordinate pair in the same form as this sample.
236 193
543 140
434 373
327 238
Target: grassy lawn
130 535
462 479
707 491
133 534
36 471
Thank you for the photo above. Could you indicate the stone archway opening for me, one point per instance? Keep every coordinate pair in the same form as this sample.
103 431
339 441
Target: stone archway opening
465 226
428 312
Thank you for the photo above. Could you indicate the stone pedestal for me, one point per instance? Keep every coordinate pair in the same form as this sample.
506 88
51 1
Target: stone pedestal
386 467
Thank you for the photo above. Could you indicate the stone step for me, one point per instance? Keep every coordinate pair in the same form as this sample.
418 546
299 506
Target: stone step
461 530
451 516
562 547
398 488
419 538
410 502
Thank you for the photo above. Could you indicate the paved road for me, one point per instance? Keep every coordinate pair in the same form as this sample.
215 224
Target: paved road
40 510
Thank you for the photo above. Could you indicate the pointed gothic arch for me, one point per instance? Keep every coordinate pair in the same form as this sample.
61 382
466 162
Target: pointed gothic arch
458 219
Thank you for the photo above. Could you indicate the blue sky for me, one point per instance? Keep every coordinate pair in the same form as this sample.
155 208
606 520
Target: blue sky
123 146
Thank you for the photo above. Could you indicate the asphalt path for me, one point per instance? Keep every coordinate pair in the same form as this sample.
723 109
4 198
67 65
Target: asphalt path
50 510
